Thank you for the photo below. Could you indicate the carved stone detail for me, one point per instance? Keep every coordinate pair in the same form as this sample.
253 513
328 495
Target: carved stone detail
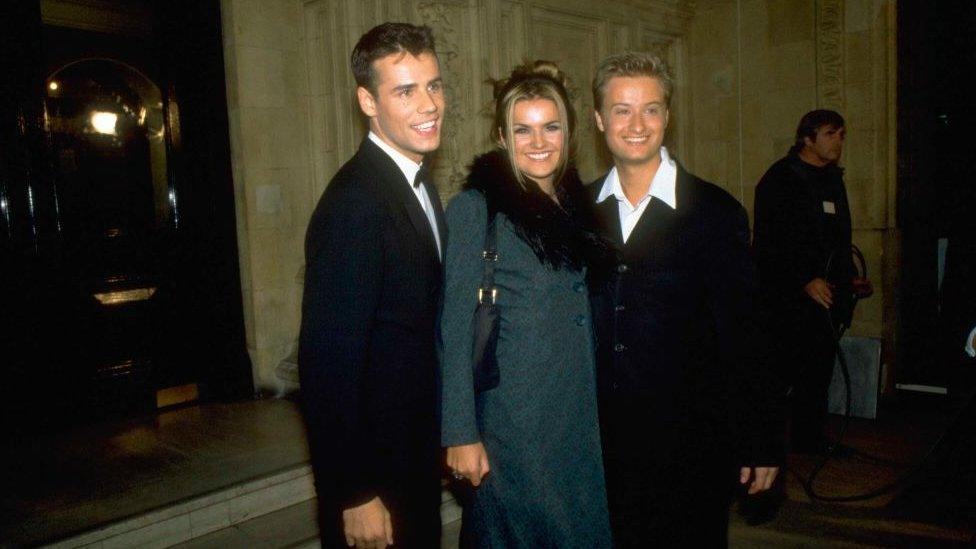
446 19
830 54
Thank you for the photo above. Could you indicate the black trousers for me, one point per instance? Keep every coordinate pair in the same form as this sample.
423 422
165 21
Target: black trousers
807 350
661 492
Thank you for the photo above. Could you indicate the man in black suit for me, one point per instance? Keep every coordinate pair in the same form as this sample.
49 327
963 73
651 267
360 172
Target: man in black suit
688 405
372 288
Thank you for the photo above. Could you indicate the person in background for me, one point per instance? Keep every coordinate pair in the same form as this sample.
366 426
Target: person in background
802 240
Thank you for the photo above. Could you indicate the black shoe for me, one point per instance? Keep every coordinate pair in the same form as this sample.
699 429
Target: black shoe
762 507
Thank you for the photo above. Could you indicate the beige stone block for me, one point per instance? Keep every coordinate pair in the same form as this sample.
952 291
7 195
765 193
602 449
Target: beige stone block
268 24
718 76
271 498
158 535
271 196
859 157
758 154
775 115
266 265
272 138
209 519
267 308
860 15
869 314
296 79
858 61
859 109
792 65
260 77
868 202
712 29
790 21
712 161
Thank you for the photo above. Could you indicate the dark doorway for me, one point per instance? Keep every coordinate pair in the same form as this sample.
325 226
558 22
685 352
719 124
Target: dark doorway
120 274
936 190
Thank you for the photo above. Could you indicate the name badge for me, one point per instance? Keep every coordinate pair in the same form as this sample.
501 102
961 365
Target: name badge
829 207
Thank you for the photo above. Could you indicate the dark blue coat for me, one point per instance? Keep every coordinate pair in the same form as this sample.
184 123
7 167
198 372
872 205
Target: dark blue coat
686 391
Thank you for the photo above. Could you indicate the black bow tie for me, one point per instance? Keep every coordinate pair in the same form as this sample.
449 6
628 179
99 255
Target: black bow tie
422 176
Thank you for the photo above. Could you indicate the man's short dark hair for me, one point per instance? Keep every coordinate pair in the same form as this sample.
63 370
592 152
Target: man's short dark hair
388 39
813 121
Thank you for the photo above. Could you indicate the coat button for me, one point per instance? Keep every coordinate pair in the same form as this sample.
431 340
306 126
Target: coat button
620 347
580 320
619 308
578 286
622 268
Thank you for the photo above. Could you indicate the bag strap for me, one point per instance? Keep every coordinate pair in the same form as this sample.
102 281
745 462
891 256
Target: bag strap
487 292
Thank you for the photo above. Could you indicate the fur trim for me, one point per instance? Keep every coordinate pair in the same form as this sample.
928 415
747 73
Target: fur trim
561 235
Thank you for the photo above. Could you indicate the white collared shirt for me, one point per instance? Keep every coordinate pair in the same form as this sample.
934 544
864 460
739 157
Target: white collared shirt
410 169
662 187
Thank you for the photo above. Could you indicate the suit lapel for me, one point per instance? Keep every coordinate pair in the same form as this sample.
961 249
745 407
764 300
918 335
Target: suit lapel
399 192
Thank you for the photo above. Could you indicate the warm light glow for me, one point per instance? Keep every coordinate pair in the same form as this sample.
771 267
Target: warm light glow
104 122
53 86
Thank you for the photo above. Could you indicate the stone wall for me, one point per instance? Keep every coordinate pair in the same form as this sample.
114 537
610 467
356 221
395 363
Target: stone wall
294 120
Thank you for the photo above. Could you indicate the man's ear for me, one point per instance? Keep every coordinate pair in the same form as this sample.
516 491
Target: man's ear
808 142
667 117
599 120
367 103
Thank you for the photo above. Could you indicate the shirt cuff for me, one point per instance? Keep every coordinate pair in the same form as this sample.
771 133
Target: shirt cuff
969 343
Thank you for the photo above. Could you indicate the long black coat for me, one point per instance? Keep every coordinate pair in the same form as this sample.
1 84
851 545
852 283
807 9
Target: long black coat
686 391
367 356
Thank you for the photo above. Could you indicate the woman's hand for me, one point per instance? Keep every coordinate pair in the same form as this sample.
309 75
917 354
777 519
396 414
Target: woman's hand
469 461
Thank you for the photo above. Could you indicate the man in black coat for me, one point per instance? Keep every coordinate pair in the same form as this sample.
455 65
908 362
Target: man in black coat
806 272
688 405
367 356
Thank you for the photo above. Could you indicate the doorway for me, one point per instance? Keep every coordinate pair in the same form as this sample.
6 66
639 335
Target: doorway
119 269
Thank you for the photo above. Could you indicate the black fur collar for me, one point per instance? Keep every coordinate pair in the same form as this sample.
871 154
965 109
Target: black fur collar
560 235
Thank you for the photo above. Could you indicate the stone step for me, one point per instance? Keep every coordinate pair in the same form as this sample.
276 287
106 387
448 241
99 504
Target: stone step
295 528
277 510
201 515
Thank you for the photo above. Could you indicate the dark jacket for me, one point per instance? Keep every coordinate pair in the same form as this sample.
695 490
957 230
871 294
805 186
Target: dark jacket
367 356
796 239
680 353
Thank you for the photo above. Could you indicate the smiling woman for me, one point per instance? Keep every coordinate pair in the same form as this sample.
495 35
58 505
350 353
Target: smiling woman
537 140
530 446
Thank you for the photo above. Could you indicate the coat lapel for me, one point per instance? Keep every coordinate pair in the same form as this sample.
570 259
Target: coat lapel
608 216
654 224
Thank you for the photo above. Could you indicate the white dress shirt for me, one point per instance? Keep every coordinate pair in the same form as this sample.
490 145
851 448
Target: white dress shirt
410 169
662 187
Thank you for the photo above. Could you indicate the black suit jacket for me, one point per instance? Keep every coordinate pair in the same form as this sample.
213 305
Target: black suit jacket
680 355
367 361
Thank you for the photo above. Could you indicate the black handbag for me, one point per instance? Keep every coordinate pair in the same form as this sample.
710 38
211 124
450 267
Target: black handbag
486 318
